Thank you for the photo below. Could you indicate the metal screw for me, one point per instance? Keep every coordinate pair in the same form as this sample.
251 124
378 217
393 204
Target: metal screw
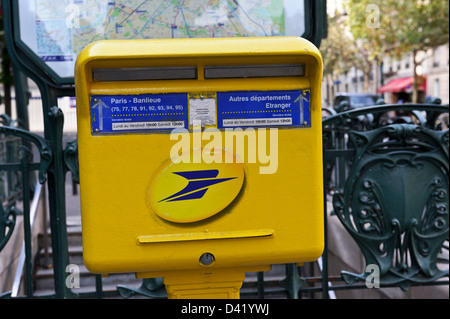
207 259
305 93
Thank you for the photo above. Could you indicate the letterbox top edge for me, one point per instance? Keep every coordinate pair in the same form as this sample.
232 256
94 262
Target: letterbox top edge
194 47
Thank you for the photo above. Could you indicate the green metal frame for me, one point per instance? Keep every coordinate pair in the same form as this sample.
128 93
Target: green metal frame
53 132
51 86
23 164
315 21
395 202
390 190
315 30
379 232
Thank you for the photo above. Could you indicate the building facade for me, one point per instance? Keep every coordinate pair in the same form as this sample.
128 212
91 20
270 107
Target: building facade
393 79
433 70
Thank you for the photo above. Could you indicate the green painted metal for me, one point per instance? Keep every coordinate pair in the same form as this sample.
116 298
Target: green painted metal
151 287
395 202
22 99
392 195
315 30
7 224
53 128
315 21
52 86
71 160
355 163
293 281
29 61
22 163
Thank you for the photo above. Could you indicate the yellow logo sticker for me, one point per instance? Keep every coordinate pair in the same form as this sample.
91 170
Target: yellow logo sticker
184 192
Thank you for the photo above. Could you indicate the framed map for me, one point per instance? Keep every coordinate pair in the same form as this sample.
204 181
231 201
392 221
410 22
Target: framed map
57 30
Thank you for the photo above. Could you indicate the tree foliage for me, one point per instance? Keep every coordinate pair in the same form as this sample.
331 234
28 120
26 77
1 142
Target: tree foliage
341 52
403 25
391 27
336 52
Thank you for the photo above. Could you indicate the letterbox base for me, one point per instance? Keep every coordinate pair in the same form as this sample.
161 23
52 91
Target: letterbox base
206 283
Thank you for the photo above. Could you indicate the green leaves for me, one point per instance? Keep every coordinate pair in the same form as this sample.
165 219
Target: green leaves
403 26
368 30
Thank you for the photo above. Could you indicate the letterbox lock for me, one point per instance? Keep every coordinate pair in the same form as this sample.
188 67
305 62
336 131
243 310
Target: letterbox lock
207 259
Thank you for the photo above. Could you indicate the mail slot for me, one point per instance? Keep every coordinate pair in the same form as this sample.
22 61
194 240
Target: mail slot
199 154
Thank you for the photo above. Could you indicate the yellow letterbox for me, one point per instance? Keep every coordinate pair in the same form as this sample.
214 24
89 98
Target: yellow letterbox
200 159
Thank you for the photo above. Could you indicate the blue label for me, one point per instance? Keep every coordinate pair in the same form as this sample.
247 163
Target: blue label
133 113
263 109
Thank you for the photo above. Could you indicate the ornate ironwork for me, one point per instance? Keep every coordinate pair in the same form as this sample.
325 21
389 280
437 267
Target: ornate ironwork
7 223
20 142
71 160
41 144
151 287
395 202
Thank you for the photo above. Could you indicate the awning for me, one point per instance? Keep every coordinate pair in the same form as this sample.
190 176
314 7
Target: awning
402 85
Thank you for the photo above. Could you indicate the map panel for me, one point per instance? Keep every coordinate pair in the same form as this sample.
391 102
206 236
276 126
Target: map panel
57 30
137 19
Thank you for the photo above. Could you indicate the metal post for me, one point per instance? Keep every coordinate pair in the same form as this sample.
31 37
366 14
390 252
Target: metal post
27 222
22 98
53 122
261 285
53 129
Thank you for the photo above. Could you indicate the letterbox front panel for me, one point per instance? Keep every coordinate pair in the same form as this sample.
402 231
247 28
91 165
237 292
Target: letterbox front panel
198 146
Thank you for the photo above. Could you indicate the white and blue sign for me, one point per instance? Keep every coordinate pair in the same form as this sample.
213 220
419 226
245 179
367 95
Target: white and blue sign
144 112
263 108
149 112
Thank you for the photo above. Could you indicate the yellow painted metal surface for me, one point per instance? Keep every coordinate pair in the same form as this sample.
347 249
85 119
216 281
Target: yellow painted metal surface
204 236
211 283
246 219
